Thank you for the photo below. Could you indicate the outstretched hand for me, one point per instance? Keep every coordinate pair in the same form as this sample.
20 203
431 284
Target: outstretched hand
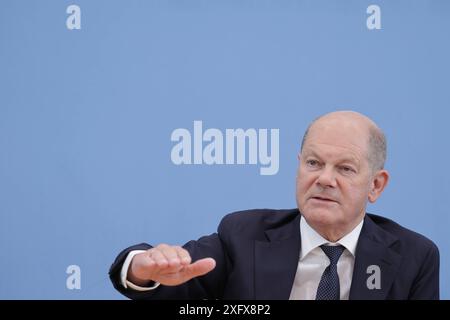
168 265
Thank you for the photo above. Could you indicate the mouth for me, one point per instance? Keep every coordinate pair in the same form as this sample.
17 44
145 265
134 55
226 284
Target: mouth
323 199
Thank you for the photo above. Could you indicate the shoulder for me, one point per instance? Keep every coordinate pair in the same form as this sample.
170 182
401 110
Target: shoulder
406 239
256 220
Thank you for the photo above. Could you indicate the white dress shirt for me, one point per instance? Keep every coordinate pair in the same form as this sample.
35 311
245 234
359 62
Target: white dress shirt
311 265
313 262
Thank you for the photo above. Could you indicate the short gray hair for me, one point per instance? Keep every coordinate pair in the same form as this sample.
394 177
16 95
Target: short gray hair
377 148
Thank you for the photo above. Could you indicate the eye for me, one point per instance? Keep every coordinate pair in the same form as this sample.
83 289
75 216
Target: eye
347 169
312 163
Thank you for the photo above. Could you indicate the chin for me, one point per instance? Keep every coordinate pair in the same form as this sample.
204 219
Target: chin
320 216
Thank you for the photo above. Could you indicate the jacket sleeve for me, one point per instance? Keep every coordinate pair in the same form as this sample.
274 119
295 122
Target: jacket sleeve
426 284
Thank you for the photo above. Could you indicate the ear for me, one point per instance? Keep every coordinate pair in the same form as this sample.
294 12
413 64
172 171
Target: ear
379 182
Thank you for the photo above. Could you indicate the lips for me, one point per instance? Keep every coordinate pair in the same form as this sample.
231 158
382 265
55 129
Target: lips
323 198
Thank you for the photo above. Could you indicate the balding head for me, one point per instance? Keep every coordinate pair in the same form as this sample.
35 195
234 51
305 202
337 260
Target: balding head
340 170
353 124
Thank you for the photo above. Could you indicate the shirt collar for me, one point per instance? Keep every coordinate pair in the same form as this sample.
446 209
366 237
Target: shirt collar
311 239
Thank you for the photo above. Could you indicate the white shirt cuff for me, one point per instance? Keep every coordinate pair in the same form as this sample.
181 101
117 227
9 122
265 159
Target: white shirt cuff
124 271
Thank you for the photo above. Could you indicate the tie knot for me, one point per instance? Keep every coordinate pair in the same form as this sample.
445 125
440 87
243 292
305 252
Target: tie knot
333 252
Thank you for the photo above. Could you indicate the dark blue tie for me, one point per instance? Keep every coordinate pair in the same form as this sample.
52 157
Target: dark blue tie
329 283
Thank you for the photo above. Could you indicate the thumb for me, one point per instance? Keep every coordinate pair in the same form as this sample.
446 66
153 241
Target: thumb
199 268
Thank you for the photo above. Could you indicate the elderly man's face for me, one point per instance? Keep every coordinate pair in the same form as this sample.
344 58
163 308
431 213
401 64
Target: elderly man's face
334 177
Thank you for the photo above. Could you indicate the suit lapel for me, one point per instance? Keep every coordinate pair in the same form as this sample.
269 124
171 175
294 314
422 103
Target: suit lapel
276 261
373 249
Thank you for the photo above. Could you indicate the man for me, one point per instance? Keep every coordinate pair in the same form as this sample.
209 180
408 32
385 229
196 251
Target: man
328 248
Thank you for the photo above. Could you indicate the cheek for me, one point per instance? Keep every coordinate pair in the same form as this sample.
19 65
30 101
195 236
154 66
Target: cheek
304 183
356 195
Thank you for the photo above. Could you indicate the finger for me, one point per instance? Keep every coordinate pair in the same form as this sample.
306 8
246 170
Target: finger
159 258
173 264
163 266
170 253
199 268
147 260
183 255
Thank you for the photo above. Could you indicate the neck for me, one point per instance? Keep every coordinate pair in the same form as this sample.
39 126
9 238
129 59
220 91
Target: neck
334 233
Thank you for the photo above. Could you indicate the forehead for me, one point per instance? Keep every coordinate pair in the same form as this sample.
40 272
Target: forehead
337 141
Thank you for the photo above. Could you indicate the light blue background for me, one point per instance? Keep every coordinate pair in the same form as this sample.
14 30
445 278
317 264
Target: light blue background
86 117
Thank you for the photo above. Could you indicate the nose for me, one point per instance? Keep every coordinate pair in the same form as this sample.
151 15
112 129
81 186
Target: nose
326 178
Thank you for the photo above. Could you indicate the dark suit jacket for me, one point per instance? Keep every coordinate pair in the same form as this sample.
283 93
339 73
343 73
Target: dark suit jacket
257 254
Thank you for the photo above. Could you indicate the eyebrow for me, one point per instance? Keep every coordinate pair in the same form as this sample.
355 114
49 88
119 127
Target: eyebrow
343 159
